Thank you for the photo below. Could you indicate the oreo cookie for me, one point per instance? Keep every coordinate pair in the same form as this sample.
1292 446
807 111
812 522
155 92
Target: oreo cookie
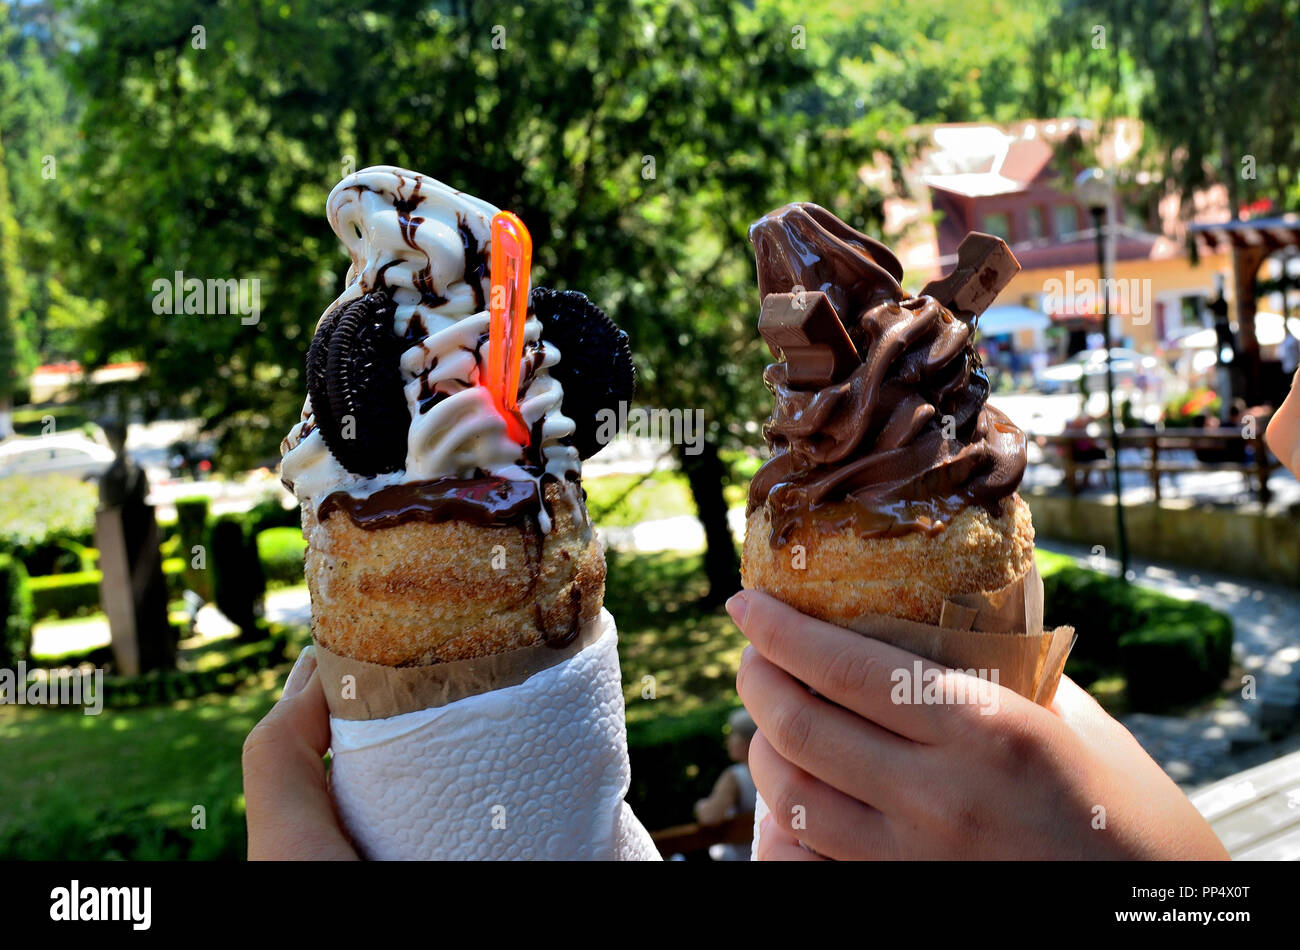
355 386
595 365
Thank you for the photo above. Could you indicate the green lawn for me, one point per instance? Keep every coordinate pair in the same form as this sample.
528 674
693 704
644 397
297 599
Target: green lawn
123 784
689 654
625 500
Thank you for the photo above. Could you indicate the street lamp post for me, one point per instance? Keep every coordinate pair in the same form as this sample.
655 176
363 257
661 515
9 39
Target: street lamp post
1092 189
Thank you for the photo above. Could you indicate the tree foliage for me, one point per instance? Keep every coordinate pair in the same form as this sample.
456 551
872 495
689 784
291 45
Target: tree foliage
637 140
38 127
1214 81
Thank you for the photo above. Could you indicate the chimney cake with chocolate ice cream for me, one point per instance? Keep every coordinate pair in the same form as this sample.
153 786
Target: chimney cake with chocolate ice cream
891 484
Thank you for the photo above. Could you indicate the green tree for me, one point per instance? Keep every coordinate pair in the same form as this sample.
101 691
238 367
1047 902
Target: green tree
638 140
1214 81
38 132
14 353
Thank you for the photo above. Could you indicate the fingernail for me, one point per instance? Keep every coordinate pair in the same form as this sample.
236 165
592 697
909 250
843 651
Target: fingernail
738 606
765 824
301 672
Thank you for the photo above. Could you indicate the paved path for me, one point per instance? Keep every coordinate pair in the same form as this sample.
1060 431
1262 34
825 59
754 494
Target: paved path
1200 748
289 605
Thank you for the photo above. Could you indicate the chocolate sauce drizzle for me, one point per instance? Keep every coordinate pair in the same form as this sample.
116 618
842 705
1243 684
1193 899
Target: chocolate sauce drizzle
476 261
486 501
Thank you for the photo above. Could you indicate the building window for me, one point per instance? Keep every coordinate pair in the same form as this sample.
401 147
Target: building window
998 224
1035 219
1067 222
1194 311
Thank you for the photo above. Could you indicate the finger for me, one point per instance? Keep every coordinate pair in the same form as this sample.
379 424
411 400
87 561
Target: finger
853 670
828 821
288 807
777 844
845 751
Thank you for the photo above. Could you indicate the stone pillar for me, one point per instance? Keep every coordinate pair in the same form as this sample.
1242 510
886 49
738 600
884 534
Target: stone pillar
133 590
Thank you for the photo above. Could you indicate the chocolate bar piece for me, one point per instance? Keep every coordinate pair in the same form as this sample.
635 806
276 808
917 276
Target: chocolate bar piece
804 330
984 266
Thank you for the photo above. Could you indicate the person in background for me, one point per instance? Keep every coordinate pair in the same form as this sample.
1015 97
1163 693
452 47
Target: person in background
733 793
1085 446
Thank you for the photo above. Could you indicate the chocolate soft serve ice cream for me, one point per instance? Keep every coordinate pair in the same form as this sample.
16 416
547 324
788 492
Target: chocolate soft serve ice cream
889 503
433 535
891 483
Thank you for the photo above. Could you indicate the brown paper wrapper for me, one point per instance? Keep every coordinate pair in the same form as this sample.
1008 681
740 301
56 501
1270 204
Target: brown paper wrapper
357 690
998 630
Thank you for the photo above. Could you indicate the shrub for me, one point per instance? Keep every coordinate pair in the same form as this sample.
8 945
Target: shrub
1089 602
38 513
192 527
237 580
1169 651
174 571
281 551
65 595
70 595
270 513
1177 661
15 611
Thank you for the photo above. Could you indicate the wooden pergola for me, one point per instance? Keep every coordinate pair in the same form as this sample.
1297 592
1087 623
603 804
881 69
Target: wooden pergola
1251 243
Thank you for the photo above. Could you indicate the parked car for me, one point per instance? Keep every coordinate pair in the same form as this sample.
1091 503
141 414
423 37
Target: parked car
70 454
1126 366
194 459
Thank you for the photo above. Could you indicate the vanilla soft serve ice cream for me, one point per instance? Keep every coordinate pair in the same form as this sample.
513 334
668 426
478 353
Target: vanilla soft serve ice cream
427 246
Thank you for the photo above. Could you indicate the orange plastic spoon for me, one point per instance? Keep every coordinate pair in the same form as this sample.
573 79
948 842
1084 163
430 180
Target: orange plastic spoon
512 260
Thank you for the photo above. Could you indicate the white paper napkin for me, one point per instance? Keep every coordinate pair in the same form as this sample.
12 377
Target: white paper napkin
536 771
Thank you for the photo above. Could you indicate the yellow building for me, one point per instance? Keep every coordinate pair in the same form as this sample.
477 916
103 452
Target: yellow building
1004 180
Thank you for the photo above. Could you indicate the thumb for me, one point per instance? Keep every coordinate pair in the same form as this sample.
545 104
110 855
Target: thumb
1083 714
287 802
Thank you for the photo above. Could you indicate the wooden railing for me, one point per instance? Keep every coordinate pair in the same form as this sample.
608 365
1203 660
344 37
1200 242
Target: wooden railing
684 839
1081 453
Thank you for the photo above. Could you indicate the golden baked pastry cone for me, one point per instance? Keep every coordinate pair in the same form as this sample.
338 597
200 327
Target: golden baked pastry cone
428 592
839 575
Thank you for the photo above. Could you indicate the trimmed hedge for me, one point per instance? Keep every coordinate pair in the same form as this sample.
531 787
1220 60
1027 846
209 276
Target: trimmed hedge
1169 651
270 513
192 528
37 513
281 552
65 595
15 611
1176 662
238 583
70 595
165 686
